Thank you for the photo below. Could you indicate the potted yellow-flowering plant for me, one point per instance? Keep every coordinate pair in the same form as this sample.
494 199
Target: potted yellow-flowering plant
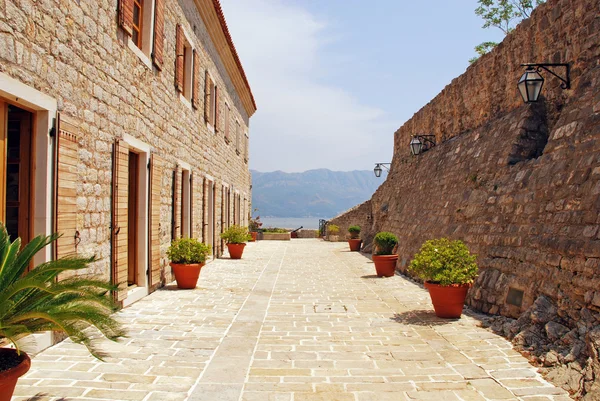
448 269
236 238
188 256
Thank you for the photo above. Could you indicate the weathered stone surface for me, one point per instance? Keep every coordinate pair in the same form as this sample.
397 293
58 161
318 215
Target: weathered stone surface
519 184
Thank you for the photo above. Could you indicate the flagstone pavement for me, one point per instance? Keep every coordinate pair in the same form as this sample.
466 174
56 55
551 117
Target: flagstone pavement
304 320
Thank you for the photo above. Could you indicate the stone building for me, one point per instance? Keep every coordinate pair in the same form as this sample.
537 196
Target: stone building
519 183
124 125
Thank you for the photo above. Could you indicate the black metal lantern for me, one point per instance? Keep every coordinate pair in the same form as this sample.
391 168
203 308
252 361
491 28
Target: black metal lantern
378 168
421 143
531 82
416 145
530 85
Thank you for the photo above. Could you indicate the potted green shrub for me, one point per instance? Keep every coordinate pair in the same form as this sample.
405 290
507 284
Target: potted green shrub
236 237
354 240
36 301
333 231
383 256
253 226
188 256
448 270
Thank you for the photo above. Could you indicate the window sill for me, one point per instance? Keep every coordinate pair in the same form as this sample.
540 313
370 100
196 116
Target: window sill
238 152
138 52
185 101
210 127
227 140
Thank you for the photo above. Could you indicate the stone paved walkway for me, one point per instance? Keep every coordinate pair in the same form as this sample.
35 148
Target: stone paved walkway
293 321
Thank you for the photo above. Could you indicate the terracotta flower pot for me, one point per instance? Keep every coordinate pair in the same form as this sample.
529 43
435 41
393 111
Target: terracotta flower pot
448 301
186 275
385 265
236 250
254 234
8 378
354 244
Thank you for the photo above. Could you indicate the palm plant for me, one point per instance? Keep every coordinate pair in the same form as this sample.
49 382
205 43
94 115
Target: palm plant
36 301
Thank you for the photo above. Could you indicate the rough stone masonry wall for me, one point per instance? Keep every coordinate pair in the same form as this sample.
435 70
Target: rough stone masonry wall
529 208
75 52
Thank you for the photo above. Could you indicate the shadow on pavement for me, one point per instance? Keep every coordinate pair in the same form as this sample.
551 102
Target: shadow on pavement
421 318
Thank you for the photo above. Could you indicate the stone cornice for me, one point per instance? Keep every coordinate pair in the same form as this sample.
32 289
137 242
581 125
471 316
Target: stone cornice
212 15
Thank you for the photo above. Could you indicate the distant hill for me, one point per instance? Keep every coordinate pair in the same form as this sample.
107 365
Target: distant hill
314 193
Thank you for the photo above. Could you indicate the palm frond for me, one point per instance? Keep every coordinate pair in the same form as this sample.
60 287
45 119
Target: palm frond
36 301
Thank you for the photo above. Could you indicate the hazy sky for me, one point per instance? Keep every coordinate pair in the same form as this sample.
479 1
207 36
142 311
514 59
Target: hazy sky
334 79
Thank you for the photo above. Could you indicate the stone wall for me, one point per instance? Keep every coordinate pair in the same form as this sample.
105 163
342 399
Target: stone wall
75 52
520 184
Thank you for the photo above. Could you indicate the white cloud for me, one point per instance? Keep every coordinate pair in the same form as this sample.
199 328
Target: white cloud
301 122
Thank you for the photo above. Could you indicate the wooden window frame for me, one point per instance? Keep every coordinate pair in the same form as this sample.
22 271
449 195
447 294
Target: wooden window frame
139 28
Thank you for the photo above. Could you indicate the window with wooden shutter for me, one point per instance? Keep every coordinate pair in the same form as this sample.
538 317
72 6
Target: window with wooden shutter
216 111
246 147
156 175
120 218
126 15
197 206
179 58
176 221
159 33
196 85
67 161
238 132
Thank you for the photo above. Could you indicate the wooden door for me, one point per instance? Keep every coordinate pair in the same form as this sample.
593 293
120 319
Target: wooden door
17 183
132 219
120 229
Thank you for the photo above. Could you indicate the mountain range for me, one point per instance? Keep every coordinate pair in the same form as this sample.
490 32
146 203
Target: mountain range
313 193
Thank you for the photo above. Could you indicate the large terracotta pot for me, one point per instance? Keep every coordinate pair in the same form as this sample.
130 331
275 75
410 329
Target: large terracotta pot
186 275
448 301
254 234
354 244
385 265
236 250
8 378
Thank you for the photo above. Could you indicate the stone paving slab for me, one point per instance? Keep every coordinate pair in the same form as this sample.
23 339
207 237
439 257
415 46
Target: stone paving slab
304 320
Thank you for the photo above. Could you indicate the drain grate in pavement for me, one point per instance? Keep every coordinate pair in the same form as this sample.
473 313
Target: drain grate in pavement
327 308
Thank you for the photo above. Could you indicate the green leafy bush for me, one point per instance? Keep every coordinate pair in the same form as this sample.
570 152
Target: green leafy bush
332 229
275 230
354 231
188 251
236 235
445 262
36 301
385 243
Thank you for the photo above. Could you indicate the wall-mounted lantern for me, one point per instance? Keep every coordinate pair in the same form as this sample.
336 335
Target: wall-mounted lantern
421 143
531 82
378 168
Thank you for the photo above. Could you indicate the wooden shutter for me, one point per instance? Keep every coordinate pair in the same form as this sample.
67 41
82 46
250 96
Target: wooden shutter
176 226
119 217
156 175
197 207
205 210
159 33
207 101
217 125
67 161
126 15
179 50
196 85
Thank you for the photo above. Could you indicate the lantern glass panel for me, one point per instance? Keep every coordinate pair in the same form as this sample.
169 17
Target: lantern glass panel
530 86
377 171
416 146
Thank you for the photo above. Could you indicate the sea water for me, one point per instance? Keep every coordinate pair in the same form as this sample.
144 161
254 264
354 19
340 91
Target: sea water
310 223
